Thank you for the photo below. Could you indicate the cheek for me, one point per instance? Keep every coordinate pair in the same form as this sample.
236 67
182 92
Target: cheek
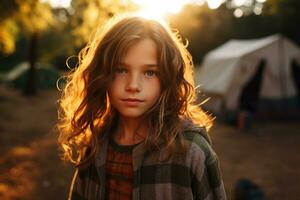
158 90
112 89
114 84
155 88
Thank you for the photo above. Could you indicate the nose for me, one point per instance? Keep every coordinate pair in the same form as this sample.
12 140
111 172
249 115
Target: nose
133 83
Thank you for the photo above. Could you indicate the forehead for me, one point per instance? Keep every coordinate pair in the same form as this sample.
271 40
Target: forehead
142 52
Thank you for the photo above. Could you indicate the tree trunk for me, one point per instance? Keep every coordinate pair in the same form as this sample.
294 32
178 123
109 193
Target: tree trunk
30 88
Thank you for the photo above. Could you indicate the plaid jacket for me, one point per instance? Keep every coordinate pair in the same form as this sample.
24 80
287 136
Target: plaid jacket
194 174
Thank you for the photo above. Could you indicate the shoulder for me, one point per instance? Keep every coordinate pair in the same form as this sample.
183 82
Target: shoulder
199 144
191 130
205 169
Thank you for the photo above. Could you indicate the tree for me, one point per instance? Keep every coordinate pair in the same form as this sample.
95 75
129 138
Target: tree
37 21
206 29
25 17
287 15
86 15
29 18
73 27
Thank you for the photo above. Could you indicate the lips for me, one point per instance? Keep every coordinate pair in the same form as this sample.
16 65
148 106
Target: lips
132 101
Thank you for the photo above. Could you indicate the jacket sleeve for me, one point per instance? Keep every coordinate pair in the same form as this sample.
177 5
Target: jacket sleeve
207 183
85 184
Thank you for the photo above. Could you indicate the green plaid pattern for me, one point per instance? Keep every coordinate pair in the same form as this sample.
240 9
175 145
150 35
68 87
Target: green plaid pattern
194 174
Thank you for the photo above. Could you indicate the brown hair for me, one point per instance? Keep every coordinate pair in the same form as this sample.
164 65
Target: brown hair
85 112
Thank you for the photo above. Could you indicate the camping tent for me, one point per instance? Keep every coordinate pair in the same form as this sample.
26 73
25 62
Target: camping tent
46 76
251 74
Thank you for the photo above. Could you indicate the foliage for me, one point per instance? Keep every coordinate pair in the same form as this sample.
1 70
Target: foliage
205 30
208 29
66 30
86 15
21 17
74 27
287 15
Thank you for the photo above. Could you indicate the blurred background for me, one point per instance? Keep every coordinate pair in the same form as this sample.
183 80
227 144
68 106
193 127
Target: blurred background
247 62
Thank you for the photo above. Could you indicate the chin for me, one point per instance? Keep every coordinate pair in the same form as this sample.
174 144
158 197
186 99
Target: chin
131 114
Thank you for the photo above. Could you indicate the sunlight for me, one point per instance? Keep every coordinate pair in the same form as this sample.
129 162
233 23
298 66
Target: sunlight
58 3
214 4
238 13
238 3
157 9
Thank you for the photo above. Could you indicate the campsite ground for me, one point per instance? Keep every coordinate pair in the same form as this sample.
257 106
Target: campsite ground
31 169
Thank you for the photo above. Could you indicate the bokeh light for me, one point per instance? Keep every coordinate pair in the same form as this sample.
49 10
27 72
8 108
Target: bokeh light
58 3
238 13
213 4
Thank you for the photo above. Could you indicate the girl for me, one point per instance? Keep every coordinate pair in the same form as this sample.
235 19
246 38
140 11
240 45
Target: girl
129 121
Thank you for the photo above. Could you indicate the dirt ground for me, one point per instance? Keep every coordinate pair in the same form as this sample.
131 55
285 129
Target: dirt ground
30 167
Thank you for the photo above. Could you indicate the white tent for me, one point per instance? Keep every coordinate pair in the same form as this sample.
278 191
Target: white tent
227 69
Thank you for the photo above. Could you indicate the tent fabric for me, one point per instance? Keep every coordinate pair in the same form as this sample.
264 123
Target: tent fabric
239 48
226 69
47 76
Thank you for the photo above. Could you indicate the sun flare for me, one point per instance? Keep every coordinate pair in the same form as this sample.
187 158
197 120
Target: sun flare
159 9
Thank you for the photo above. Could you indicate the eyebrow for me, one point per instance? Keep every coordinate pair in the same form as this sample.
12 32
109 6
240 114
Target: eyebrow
145 65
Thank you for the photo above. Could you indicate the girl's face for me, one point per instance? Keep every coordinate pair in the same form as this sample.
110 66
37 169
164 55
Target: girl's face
136 85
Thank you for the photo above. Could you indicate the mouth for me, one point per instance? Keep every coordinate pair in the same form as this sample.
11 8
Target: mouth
132 100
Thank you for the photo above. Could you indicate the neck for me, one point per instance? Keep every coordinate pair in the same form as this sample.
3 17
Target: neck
130 131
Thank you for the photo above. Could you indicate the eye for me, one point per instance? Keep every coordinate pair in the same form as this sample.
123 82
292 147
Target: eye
150 73
121 70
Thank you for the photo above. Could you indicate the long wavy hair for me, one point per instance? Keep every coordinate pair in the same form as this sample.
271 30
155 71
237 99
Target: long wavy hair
85 112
